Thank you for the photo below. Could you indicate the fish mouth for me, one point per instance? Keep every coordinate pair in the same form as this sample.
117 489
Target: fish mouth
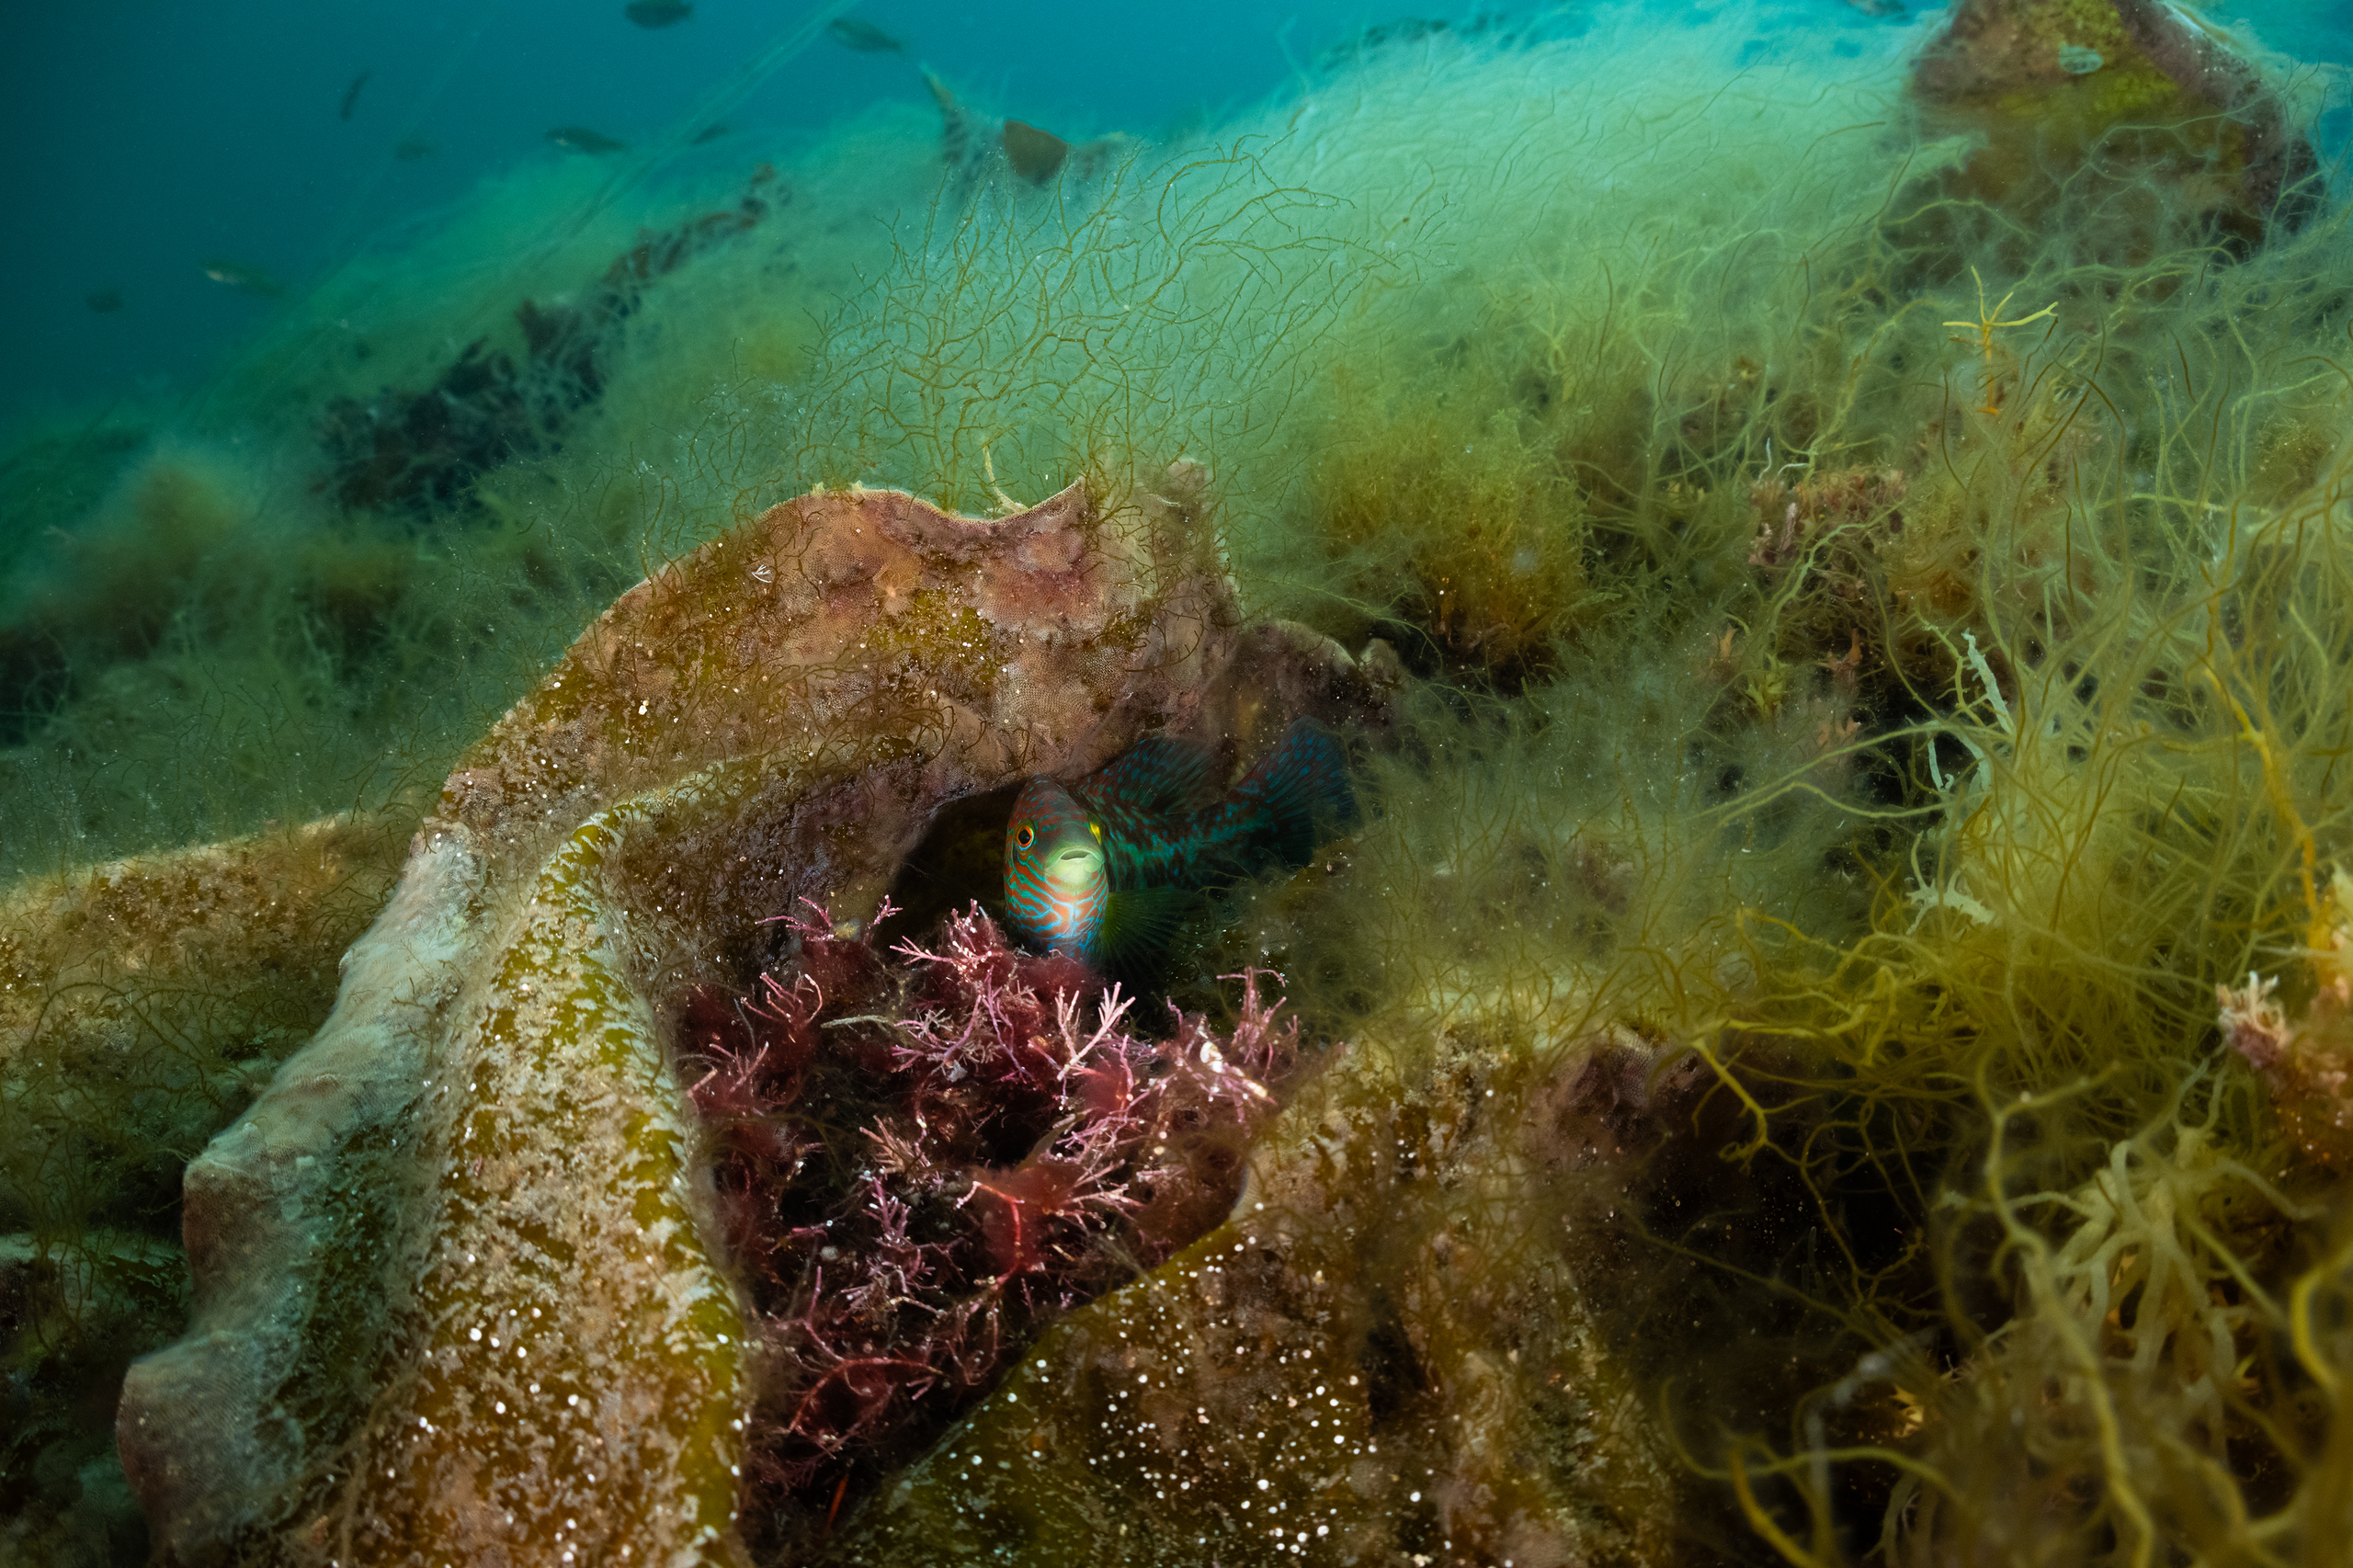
1068 856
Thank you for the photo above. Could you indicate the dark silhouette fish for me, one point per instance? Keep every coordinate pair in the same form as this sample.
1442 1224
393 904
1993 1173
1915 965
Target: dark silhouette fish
106 301
414 149
580 139
863 36
351 94
1108 868
1036 155
657 13
970 149
245 280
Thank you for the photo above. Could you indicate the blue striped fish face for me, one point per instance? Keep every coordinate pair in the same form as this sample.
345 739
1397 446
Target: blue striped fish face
1057 881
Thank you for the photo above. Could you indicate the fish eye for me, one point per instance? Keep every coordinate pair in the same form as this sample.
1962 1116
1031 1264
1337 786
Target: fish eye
1024 836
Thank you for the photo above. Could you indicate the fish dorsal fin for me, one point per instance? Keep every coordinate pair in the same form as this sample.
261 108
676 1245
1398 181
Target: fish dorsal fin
1159 775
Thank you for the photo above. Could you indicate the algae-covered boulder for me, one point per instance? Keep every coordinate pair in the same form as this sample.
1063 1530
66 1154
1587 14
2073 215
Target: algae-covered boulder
2119 117
144 1003
455 1282
143 1000
1387 1355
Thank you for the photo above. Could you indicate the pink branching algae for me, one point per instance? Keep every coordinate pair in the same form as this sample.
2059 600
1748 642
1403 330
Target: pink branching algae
923 1157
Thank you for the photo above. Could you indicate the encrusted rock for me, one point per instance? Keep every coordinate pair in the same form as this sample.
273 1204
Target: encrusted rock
1388 1354
2134 88
457 1284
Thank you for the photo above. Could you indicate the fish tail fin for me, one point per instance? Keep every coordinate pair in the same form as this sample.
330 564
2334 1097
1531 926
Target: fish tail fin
1303 789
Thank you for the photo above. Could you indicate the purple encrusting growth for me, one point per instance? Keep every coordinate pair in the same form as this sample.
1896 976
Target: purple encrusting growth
920 1164
1085 861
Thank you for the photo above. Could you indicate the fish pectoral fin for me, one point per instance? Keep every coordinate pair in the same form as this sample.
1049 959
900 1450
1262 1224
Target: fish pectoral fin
1144 921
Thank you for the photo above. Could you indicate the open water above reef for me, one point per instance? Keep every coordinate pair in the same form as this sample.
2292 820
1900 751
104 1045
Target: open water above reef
1832 576
285 137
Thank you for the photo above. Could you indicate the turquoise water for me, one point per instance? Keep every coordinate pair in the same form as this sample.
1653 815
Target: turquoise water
166 137
154 139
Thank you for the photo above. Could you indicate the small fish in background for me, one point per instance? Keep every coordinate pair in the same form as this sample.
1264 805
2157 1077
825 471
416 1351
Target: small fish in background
863 36
106 301
580 139
710 133
351 94
1035 155
657 13
245 280
969 148
2077 60
1108 870
415 149
1878 7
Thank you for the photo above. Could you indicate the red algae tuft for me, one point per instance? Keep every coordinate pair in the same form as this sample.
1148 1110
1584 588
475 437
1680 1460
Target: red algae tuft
924 1157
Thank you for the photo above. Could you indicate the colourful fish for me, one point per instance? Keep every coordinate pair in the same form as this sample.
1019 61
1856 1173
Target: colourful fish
1109 867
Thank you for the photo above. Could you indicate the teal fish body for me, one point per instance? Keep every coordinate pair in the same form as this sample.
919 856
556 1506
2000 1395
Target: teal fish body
1106 866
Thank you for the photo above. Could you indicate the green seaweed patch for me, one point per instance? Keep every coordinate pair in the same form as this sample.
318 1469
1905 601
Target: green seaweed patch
1459 521
939 637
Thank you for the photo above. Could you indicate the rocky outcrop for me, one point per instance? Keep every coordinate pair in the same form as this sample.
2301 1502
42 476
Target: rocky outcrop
456 1279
